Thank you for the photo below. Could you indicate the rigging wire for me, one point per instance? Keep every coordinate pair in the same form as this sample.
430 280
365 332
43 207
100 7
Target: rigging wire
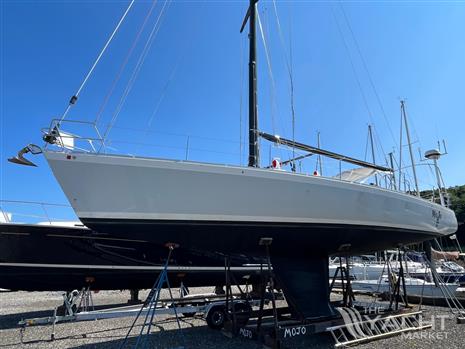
138 66
163 145
163 93
365 66
270 72
373 86
189 40
281 38
123 65
273 94
288 61
359 84
371 81
379 147
140 130
76 95
352 64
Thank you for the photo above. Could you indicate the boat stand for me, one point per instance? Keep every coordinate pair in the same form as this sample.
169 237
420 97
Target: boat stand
353 323
78 306
239 314
395 295
150 304
271 326
232 309
348 297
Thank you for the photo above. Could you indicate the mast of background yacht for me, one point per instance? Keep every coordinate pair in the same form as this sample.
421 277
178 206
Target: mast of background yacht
412 159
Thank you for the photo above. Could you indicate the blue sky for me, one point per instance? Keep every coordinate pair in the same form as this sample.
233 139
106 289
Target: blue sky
412 50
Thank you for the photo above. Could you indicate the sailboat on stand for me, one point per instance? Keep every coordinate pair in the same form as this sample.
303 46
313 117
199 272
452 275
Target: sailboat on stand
228 209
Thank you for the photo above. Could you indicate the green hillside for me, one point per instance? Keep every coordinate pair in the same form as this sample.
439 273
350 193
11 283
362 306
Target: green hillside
457 195
457 203
457 200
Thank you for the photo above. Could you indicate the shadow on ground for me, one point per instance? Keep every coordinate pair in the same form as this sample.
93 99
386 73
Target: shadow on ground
191 337
10 321
202 337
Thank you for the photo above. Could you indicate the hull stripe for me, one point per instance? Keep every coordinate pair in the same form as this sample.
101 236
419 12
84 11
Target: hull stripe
92 238
236 220
126 267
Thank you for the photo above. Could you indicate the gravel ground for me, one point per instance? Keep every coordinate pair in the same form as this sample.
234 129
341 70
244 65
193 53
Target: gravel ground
101 334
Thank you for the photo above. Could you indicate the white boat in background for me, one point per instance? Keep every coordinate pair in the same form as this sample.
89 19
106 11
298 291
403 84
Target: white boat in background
368 267
448 271
414 287
363 267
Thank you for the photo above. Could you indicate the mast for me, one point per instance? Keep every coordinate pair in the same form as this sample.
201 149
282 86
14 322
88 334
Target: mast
402 107
393 176
435 155
373 150
319 156
254 158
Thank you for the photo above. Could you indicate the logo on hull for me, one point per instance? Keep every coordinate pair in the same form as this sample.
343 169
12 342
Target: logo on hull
437 216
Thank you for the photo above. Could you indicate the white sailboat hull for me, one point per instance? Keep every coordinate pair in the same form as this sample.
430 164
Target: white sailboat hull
193 203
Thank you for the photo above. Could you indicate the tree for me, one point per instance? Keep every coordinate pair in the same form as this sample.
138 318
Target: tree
457 202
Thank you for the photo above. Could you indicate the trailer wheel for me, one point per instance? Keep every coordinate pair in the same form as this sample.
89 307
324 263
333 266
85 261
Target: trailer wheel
243 312
61 310
215 317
